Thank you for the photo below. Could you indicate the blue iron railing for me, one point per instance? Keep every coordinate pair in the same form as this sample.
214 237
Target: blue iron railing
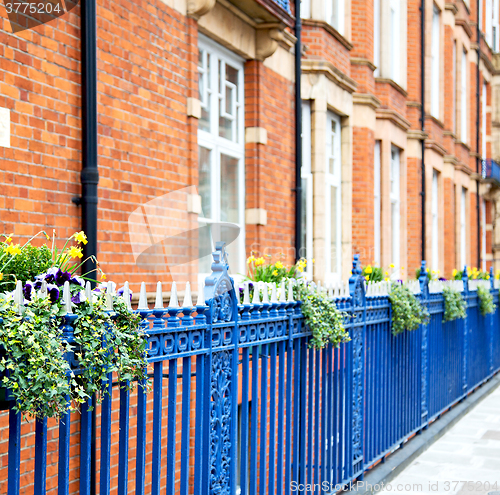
490 169
242 404
284 4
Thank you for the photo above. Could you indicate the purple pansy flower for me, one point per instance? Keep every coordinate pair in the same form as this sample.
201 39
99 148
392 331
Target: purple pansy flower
53 292
119 292
78 298
27 290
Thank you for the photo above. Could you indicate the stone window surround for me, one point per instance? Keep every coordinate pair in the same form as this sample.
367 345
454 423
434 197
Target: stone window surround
326 95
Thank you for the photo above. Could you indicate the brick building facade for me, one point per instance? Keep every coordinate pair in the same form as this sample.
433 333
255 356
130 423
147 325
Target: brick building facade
196 97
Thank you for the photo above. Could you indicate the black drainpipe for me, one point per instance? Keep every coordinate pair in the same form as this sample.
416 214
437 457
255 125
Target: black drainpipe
298 133
422 120
477 139
89 174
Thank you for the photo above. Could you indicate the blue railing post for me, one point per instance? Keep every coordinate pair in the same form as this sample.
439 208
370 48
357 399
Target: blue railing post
223 368
491 319
424 295
465 348
358 312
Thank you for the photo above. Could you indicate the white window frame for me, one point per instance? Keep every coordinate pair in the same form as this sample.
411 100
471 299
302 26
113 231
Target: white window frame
435 65
463 228
435 220
219 145
496 27
305 9
377 203
395 41
307 177
376 36
483 235
489 22
463 99
335 9
483 122
333 273
395 177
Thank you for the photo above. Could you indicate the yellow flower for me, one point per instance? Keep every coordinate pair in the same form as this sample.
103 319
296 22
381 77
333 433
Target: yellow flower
250 259
13 249
75 252
386 279
300 268
387 273
275 273
391 265
368 269
259 261
487 277
367 278
103 276
279 264
80 237
313 260
402 268
8 238
1 276
454 272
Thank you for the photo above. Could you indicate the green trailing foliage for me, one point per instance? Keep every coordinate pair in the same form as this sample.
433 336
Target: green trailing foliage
407 312
486 304
454 305
322 316
34 352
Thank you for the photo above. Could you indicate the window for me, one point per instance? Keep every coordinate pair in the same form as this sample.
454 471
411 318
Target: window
435 73
435 221
334 200
377 203
463 99
307 191
335 14
489 22
305 9
463 258
495 34
483 235
376 37
454 87
395 26
395 206
221 152
483 122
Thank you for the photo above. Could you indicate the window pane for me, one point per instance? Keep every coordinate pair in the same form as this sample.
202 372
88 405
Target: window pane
204 246
232 75
303 220
229 189
204 180
333 229
204 90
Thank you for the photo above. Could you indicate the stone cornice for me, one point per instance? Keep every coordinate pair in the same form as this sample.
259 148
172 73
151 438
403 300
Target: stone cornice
487 63
465 25
452 7
417 134
435 146
392 83
366 99
394 117
310 66
329 29
363 61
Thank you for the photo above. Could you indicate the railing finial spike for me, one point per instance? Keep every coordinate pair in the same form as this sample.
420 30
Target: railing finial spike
159 296
143 298
174 302
188 302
